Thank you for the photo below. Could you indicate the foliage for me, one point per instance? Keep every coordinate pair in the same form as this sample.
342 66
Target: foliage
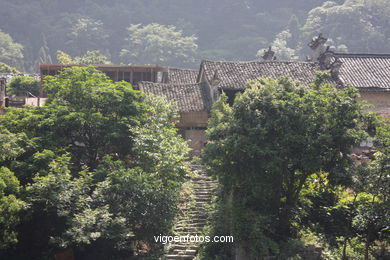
264 149
10 202
89 58
86 33
100 167
19 85
10 51
158 148
64 58
10 207
353 216
158 44
44 52
227 30
359 26
4 68
10 145
91 113
280 46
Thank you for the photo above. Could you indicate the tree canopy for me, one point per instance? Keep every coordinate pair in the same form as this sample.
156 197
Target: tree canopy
265 148
158 44
20 85
227 30
89 58
10 51
96 169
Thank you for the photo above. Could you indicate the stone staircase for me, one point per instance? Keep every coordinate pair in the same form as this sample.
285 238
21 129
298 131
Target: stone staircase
192 218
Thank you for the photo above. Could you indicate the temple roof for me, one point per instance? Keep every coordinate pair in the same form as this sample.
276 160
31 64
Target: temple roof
235 74
188 97
368 72
182 76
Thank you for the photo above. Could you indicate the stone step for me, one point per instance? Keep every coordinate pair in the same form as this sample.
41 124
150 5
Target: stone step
196 213
188 229
191 233
184 247
197 187
205 184
207 191
203 192
203 177
202 199
184 252
203 195
192 217
171 257
191 224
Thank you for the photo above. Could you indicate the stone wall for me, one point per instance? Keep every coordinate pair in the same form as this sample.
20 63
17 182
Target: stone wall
381 101
192 127
193 119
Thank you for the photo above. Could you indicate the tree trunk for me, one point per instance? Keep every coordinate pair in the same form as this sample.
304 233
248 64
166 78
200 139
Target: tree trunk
345 249
366 250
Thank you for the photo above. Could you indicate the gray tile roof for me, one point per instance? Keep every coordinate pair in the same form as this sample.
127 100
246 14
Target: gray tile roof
182 76
368 72
188 97
234 75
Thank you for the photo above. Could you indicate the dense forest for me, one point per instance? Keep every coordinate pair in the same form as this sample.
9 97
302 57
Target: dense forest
180 33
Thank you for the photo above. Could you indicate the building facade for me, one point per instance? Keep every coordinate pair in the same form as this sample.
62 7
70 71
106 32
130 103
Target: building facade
194 91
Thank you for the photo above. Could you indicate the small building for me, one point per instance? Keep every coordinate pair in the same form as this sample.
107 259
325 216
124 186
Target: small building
370 73
193 103
129 73
194 91
181 76
231 77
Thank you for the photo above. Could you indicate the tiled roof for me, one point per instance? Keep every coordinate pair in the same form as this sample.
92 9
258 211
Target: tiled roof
182 76
368 72
234 75
188 97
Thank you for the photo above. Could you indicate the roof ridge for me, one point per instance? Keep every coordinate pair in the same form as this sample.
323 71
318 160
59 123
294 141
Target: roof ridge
168 84
362 54
173 68
266 61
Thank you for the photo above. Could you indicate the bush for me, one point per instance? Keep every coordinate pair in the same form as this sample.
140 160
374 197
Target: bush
19 85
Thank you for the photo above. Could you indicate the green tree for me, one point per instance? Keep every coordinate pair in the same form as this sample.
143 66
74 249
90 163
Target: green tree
64 58
263 150
281 47
158 44
86 34
10 51
358 25
89 58
10 207
19 85
44 53
101 167
10 203
4 68
361 211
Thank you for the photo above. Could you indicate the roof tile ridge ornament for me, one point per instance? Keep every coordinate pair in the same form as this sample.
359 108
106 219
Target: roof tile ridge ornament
317 45
325 59
335 68
317 41
269 54
216 79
